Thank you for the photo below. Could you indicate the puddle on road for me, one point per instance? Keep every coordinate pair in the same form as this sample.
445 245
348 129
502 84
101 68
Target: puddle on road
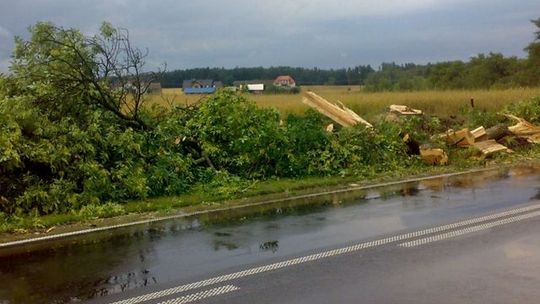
111 262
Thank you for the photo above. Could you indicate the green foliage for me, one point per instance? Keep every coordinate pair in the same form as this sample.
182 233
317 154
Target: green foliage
394 77
281 90
475 117
306 140
223 184
362 151
533 61
57 165
238 136
62 148
108 209
493 70
421 128
480 72
527 109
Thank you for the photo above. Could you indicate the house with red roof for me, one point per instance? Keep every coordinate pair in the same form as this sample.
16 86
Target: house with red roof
285 81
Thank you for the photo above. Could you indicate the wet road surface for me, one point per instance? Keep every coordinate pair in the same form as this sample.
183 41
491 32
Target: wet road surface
501 265
124 264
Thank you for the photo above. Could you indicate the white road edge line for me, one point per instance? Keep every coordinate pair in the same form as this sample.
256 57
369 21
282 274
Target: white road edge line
322 255
267 202
467 230
202 295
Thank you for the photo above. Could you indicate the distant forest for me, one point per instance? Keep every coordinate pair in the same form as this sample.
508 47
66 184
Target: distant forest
483 71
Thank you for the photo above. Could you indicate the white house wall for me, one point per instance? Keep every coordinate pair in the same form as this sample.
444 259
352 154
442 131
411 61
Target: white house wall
255 87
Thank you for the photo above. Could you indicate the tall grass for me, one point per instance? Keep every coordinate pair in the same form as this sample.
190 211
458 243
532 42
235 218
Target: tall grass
368 105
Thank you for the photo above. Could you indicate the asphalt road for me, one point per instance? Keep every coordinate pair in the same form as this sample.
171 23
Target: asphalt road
493 258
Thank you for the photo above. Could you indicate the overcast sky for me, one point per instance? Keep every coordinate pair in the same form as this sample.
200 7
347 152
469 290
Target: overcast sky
307 33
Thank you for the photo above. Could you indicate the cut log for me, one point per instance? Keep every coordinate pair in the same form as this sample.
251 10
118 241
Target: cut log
479 134
524 129
433 156
404 110
490 147
342 115
497 132
461 138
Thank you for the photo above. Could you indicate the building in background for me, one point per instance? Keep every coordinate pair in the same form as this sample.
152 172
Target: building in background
284 81
201 86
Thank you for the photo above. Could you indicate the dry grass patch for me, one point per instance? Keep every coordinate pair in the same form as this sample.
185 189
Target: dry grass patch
369 105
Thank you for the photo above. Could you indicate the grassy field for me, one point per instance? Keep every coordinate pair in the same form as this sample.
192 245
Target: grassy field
369 105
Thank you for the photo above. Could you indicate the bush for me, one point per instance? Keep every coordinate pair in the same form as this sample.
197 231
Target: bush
527 109
362 151
306 139
238 136
272 89
476 117
56 165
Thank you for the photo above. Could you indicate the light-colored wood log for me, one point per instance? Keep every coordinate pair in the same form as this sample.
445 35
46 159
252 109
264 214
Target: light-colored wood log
479 134
404 110
433 156
489 147
524 129
342 115
461 138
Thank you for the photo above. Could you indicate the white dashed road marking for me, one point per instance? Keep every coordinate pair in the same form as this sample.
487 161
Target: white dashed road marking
352 248
201 295
472 229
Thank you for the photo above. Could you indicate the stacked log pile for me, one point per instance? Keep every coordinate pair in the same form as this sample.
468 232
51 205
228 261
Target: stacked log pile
486 142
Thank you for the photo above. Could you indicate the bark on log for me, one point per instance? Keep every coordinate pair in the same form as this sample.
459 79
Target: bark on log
497 132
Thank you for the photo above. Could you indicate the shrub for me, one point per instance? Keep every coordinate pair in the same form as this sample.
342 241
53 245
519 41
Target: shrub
527 109
476 117
362 151
238 136
306 139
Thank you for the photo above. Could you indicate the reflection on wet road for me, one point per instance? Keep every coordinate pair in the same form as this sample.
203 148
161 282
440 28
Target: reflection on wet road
185 249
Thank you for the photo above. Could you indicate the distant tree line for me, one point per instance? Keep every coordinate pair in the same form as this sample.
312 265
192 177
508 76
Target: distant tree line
302 76
483 71
480 72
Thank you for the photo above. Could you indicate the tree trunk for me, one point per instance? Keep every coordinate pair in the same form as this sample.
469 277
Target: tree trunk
497 132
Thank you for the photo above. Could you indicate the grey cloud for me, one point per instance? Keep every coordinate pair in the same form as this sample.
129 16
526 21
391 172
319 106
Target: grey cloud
299 33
